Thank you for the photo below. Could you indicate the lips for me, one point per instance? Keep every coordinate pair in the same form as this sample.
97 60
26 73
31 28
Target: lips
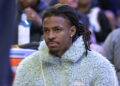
52 44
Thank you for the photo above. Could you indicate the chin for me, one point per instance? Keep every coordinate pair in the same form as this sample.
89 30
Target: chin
53 52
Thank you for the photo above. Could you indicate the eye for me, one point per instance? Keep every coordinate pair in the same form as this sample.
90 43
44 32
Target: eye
45 30
58 29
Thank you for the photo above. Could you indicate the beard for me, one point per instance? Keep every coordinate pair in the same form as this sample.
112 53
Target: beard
53 52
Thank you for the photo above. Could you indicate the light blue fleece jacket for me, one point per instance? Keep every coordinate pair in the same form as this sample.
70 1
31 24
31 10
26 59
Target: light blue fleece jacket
73 69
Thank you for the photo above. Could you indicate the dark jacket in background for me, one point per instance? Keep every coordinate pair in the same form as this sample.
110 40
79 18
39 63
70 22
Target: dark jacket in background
7 20
105 27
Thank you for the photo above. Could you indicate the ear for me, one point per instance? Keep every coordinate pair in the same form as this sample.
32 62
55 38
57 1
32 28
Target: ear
72 31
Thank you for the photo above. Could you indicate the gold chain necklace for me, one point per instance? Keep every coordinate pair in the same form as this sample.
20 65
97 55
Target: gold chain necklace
43 75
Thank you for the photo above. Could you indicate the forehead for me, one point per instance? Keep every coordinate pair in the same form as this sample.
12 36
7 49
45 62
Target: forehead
55 21
28 1
84 1
68 0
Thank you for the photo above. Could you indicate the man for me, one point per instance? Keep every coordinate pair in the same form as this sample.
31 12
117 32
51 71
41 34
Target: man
112 50
64 58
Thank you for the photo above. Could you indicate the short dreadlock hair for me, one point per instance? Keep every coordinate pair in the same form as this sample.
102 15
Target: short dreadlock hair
69 13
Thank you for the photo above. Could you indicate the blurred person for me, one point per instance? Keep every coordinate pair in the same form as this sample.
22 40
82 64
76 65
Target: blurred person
112 18
7 21
97 18
72 3
33 9
64 57
118 19
112 50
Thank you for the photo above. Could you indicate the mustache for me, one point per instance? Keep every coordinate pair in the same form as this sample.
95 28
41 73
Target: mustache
51 41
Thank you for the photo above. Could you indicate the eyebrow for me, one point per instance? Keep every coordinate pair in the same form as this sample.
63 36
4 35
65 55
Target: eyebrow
53 27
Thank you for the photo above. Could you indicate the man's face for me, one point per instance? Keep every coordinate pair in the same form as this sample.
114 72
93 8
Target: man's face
72 3
84 2
28 3
57 31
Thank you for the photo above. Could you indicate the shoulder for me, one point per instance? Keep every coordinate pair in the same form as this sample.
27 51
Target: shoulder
113 37
98 61
116 33
103 71
27 70
30 60
29 63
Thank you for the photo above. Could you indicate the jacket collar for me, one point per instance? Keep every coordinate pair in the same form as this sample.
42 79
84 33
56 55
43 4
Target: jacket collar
73 54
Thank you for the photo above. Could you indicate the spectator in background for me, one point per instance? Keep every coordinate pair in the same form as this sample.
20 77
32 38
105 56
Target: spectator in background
33 9
72 3
111 5
112 19
112 50
7 21
118 19
97 18
64 58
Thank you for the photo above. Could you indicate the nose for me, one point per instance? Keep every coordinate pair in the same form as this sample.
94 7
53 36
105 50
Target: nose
52 35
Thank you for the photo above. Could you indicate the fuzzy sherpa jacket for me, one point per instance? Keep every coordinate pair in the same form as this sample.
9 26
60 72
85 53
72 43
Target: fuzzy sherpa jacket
73 69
